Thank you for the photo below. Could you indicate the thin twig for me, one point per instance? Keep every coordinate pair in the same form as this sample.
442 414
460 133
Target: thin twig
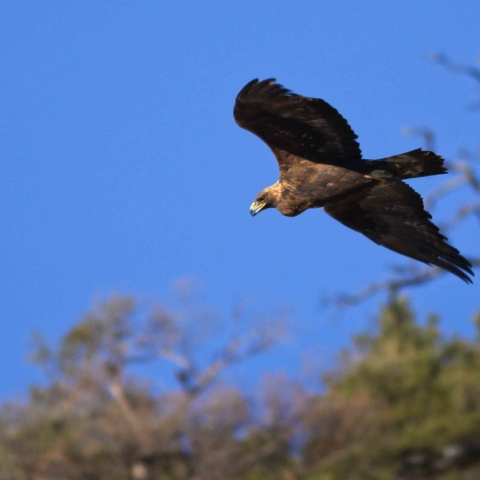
463 212
443 189
392 287
426 134
443 60
470 176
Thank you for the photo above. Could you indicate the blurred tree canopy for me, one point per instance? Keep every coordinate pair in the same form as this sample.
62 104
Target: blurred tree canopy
403 403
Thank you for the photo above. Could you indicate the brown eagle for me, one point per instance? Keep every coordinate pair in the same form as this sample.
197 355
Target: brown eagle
321 165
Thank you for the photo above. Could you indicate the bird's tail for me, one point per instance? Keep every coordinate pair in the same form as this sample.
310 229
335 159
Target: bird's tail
414 164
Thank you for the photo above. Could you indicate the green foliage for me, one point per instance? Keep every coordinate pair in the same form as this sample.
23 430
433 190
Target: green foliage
422 387
404 403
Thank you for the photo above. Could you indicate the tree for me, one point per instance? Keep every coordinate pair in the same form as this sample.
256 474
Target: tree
407 402
403 403
95 420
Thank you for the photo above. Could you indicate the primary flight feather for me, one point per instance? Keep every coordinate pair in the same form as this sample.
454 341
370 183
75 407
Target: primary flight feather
321 165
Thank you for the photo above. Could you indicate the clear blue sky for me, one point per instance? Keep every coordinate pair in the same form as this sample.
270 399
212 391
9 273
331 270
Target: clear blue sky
122 168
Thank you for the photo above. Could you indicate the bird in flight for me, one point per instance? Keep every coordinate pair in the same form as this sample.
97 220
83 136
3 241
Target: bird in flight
321 165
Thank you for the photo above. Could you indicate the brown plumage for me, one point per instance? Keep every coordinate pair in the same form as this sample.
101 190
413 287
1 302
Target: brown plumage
321 165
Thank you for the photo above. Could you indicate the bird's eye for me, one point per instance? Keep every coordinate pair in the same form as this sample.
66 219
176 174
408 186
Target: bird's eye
262 198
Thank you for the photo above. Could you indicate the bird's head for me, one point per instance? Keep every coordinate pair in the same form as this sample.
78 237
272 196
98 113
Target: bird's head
265 199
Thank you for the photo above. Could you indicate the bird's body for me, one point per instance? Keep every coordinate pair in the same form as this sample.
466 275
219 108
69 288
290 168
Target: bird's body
321 165
306 186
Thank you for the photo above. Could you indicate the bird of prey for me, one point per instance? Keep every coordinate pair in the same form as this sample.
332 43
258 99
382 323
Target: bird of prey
321 165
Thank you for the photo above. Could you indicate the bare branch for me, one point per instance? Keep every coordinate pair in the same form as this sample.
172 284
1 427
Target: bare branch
139 429
164 338
443 189
468 70
443 60
177 359
466 170
426 134
463 212
392 287
237 350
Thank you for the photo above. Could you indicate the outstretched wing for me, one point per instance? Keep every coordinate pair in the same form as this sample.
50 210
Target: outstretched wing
392 215
292 124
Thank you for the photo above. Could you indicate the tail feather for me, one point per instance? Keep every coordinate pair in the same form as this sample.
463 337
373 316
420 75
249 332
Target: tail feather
414 164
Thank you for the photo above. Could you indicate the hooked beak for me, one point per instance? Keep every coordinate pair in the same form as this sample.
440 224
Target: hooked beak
256 208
